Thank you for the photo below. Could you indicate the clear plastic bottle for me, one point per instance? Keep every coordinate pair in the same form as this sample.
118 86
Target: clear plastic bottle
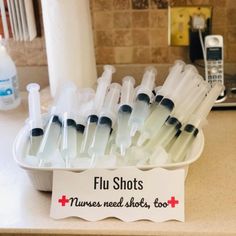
9 88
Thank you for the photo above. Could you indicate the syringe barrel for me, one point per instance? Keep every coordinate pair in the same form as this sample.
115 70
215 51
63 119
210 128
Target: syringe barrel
111 101
182 144
205 107
70 97
88 133
100 139
85 104
86 95
103 83
173 77
100 93
107 74
50 139
123 138
186 83
187 88
190 67
68 140
192 101
127 91
66 100
139 114
34 105
148 81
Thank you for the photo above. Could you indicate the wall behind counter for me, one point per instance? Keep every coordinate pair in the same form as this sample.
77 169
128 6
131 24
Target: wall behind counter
135 32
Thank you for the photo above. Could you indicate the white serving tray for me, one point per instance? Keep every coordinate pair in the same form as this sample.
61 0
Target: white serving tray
41 177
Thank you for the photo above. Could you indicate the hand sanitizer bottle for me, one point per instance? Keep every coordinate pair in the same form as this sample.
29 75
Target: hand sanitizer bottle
9 94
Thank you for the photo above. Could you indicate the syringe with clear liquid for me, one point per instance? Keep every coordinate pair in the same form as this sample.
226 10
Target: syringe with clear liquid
175 120
69 139
50 138
50 141
141 105
180 116
179 149
172 97
171 82
106 121
35 119
123 138
103 83
68 146
85 98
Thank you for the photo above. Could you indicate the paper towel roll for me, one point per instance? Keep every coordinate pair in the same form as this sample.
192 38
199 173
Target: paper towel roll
69 43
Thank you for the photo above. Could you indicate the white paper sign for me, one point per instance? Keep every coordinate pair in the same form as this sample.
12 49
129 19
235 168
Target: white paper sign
126 193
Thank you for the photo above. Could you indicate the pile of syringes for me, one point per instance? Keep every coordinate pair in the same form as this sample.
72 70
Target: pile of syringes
130 125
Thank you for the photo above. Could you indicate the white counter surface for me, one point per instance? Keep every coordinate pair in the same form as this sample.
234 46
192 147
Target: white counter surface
210 190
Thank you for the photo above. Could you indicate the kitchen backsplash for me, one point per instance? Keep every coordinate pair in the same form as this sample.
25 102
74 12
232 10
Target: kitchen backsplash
135 32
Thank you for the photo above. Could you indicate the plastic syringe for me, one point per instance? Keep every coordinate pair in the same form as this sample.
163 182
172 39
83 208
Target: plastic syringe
103 83
172 80
52 133
69 133
181 114
123 138
141 105
173 97
35 119
85 97
50 138
106 121
179 149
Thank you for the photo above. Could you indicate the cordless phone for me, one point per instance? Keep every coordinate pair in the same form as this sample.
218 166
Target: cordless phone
214 68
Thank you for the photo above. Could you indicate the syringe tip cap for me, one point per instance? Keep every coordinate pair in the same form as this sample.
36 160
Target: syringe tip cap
69 85
205 85
142 139
129 79
133 130
122 150
33 87
110 68
87 94
180 62
198 77
151 69
115 86
99 79
190 67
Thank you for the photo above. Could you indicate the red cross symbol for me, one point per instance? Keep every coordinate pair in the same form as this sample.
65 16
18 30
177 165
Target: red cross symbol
63 200
173 202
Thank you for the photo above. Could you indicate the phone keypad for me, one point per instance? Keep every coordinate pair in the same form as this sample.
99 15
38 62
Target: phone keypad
215 71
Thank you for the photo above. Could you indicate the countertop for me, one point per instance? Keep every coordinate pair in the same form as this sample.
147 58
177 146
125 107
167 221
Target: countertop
210 190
